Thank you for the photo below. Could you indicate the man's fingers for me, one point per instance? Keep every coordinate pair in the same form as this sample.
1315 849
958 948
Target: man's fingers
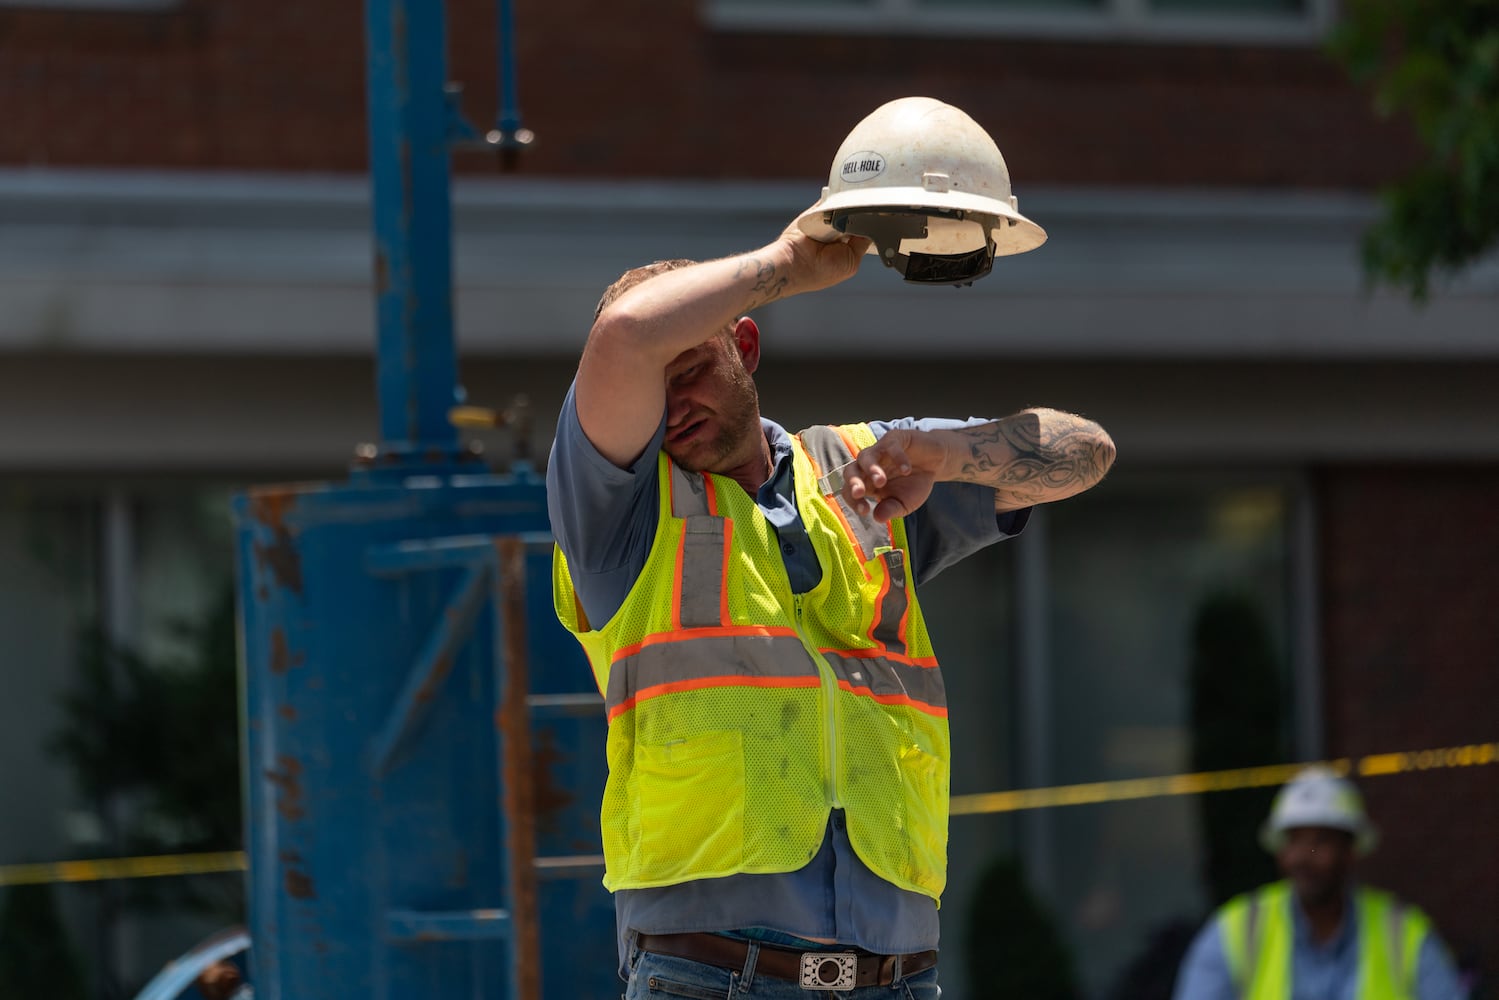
891 458
889 509
874 470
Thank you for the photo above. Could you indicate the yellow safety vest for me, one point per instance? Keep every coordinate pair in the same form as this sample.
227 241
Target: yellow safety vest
741 713
1256 930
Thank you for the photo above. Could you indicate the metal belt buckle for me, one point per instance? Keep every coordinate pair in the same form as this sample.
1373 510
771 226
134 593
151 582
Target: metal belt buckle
829 970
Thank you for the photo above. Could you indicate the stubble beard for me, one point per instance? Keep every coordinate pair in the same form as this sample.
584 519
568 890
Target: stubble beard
738 427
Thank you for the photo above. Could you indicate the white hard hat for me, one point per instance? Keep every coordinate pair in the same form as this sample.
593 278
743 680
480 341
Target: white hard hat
1318 796
929 187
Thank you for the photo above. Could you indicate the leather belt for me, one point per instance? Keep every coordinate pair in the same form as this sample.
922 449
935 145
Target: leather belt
780 962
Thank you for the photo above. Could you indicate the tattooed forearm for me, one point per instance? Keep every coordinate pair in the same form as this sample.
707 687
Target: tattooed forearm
1035 456
769 283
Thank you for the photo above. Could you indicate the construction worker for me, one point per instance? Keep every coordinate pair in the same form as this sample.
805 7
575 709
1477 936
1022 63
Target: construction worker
775 817
1317 934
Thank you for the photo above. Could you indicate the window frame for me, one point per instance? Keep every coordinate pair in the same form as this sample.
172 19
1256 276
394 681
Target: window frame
1115 20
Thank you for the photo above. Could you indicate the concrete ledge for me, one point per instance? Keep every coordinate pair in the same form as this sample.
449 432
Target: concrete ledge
146 262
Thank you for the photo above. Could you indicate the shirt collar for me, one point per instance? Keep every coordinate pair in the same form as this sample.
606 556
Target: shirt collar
1346 933
781 466
779 441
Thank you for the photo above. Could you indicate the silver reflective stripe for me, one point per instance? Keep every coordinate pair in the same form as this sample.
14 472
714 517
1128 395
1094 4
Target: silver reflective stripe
1251 945
701 599
893 606
1395 928
730 656
885 677
689 492
750 658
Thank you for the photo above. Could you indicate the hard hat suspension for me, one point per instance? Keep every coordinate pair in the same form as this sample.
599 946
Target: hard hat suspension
892 228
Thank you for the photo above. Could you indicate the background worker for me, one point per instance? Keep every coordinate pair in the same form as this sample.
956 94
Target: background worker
776 808
1317 934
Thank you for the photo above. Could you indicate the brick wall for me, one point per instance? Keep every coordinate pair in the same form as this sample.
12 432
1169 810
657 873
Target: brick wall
634 90
1411 646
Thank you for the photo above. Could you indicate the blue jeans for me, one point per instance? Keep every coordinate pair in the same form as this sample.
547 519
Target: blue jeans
666 977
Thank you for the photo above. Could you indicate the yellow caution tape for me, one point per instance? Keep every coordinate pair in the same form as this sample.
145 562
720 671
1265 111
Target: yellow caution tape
112 868
475 416
1372 765
1217 781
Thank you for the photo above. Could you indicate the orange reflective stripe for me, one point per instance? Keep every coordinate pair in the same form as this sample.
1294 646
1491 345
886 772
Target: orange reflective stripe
848 440
894 699
711 632
925 662
853 537
893 602
699 683
712 494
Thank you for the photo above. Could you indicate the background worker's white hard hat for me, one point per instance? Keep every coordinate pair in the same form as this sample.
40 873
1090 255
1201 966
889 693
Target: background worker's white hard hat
1318 797
923 181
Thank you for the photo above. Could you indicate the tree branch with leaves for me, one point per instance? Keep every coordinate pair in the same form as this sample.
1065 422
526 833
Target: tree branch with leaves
1437 63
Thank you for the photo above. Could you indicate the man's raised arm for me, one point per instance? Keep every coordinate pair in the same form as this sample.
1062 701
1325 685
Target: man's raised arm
1035 456
620 389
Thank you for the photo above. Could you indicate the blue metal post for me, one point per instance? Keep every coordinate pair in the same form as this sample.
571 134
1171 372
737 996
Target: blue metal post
397 795
509 117
409 166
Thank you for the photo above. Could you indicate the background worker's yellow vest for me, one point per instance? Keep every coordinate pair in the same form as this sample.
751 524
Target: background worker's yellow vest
740 714
1256 936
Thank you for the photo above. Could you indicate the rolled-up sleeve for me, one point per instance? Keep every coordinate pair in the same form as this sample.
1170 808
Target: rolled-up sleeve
602 516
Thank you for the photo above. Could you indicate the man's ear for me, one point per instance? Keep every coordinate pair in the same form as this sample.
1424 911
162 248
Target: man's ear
747 341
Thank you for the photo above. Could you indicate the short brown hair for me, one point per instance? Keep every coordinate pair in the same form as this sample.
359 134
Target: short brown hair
635 276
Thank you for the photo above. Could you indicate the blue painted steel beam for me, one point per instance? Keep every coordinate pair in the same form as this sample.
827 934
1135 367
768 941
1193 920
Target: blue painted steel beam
509 116
409 174
417 927
419 555
424 681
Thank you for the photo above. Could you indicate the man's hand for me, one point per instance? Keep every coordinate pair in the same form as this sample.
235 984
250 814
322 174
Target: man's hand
1035 456
897 472
816 265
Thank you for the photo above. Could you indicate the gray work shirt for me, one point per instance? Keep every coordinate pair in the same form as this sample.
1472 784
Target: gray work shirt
604 518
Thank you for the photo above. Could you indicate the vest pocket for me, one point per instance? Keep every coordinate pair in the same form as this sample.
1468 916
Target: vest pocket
925 776
690 795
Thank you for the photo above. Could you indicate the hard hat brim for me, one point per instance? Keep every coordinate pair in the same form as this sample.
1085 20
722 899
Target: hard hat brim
1365 836
1013 233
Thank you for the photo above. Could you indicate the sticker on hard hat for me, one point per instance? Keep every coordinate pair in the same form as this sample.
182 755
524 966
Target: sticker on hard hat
862 166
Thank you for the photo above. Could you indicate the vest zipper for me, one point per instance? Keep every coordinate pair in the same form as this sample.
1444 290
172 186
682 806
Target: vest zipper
830 699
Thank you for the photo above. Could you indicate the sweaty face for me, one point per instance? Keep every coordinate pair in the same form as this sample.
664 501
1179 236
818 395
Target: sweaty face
1318 861
712 408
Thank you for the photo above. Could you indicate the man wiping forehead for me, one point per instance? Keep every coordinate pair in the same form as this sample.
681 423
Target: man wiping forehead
776 807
